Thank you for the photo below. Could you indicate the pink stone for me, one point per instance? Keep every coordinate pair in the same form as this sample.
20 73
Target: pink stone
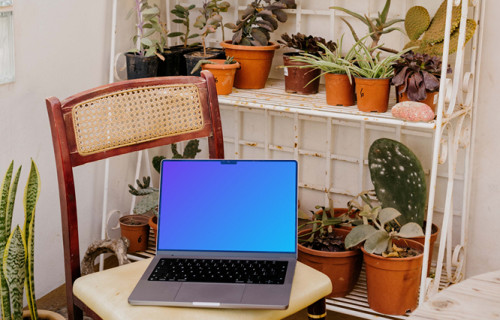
413 111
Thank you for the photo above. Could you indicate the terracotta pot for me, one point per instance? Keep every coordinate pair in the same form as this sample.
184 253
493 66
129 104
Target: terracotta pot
342 268
339 91
393 283
43 315
297 79
193 57
136 229
255 64
421 240
372 94
153 224
431 100
223 74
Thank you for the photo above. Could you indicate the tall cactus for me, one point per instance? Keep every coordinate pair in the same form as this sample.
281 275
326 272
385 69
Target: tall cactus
17 248
399 179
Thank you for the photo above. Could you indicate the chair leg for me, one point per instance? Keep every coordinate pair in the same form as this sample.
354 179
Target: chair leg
317 310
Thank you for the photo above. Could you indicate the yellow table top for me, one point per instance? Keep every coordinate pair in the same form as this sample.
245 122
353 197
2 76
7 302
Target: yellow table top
107 292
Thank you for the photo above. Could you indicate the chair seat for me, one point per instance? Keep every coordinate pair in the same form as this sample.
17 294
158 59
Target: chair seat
106 293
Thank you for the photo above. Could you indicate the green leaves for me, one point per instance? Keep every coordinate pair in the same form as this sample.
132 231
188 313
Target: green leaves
410 230
13 268
359 234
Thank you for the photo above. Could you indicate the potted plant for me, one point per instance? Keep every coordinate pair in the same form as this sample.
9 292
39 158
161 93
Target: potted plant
377 26
142 62
302 80
393 264
223 71
208 21
417 78
175 63
322 247
250 45
372 77
17 248
337 71
405 190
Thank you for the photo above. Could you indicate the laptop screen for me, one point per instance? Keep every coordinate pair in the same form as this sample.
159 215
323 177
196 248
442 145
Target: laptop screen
228 205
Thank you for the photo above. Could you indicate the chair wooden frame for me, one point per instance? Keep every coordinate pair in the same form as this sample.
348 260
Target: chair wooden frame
68 157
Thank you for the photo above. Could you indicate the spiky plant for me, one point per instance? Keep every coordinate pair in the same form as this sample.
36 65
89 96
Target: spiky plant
418 74
17 247
377 27
428 36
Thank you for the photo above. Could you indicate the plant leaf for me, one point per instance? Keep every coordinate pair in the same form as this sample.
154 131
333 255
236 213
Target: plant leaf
377 242
410 230
359 234
14 270
387 214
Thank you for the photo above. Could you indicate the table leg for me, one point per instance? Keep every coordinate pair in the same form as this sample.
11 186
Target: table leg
317 310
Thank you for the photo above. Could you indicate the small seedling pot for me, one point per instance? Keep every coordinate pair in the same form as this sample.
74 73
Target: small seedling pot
223 74
135 228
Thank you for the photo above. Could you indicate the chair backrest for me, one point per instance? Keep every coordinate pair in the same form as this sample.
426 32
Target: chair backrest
120 118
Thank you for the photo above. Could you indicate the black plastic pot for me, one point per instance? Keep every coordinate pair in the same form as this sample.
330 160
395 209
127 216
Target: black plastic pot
174 63
192 59
140 66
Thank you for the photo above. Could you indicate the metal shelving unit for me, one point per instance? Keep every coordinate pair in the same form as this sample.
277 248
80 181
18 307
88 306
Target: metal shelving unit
331 143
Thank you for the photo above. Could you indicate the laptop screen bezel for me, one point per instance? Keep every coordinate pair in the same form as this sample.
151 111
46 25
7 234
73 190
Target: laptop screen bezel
210 253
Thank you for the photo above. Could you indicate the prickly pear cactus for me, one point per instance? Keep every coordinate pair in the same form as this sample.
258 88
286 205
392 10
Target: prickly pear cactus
399 179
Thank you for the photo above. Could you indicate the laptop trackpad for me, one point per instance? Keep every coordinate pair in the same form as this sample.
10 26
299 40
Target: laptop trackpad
210 292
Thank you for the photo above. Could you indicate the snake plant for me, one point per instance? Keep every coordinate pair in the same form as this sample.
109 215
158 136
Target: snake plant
17 247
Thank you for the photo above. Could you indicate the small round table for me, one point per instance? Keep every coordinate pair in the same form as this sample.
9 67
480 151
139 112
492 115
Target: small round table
475 298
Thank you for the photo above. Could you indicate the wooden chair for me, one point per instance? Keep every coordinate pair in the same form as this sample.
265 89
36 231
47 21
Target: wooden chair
120 118
129 116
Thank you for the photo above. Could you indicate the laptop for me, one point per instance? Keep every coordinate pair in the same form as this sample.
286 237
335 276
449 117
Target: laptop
227 235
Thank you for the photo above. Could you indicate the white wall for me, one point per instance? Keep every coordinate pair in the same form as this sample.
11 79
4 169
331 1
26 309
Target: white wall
62 47
484 252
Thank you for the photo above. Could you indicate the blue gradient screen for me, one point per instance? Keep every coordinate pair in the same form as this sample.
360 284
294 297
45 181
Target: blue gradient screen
228 205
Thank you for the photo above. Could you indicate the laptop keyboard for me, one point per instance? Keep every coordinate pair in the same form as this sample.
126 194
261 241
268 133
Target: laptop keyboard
220 271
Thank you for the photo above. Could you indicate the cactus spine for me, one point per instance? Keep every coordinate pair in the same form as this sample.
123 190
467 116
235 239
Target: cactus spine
399 179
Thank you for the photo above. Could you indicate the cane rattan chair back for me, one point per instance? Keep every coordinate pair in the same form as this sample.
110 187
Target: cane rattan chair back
120 118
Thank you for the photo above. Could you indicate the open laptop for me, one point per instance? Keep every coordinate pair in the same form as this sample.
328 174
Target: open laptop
234 219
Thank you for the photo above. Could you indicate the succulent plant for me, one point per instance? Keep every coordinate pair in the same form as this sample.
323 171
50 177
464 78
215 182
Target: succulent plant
208 21
418 74
307 44
376 26
399 179
319 225
417 21
378 237
148 24
229 60
219 6
259 19
17 246
432 40
182 14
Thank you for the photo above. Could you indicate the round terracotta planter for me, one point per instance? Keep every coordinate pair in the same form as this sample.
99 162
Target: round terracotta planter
339 91
223 74
372 94
298 80
431 100
153 224
43 315
136 229
342 268
255 64
393 283
421 240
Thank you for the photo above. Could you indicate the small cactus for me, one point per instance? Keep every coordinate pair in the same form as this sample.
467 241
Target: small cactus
399 179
